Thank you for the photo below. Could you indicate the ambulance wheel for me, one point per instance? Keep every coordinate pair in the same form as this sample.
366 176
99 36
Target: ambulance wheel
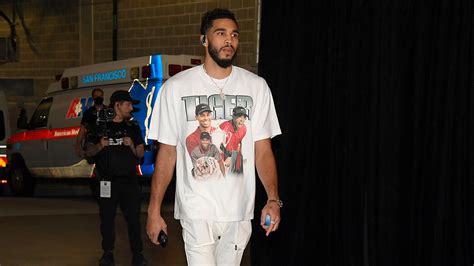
20 179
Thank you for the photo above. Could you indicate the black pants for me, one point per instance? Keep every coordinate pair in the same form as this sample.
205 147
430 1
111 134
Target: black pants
126 194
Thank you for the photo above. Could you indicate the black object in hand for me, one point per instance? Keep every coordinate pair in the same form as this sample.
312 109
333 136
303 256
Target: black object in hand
162 238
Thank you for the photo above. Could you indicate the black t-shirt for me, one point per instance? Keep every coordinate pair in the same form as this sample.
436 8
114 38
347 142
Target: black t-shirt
118 160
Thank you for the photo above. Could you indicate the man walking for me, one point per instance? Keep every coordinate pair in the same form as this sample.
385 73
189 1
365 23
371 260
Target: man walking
215 213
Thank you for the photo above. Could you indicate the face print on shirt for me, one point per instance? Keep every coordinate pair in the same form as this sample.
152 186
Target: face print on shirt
216 151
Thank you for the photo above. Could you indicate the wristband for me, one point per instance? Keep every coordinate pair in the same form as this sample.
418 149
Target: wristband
277 201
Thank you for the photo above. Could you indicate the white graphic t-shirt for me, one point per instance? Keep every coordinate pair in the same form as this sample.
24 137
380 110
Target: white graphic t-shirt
215 171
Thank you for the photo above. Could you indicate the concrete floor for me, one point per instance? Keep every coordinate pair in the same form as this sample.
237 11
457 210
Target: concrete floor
65 231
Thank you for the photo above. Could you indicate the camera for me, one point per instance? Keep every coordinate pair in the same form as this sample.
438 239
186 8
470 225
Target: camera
103 117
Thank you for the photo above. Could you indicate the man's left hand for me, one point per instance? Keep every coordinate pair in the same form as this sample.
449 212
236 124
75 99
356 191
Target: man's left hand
273 210
127 141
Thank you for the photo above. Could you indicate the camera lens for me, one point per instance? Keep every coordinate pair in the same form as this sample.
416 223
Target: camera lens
106 114
109 113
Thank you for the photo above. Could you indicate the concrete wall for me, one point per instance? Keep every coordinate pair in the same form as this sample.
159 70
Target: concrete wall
79 32
53 27
170 27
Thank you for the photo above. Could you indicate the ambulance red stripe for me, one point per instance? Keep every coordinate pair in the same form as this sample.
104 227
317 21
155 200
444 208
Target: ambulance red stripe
47 134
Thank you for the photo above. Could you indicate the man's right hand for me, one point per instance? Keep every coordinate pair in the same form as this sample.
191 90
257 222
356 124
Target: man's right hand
104 141
154 224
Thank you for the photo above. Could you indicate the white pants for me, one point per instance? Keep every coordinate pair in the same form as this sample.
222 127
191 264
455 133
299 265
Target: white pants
215 243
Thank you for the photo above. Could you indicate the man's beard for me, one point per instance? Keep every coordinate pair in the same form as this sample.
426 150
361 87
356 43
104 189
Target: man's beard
126 116
224 63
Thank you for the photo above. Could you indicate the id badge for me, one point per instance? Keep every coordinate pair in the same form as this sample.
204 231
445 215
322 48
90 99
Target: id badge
105 189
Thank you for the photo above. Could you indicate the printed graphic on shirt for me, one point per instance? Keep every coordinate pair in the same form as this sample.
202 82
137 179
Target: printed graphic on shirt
216 151
221 108
115 142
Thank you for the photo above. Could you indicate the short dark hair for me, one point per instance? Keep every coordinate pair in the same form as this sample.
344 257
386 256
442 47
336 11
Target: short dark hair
211 15
96 89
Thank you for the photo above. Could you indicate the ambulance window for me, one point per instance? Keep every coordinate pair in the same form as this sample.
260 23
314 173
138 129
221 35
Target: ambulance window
2 126
40 116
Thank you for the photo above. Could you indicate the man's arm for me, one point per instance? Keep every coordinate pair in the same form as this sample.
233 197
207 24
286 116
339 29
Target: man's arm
267 171
93 149
164 167
140 151
79 140
218 157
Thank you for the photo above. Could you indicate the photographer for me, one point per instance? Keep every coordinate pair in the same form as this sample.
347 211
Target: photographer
117 146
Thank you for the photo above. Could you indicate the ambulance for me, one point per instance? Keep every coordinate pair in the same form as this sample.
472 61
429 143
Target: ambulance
45 149
4 133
